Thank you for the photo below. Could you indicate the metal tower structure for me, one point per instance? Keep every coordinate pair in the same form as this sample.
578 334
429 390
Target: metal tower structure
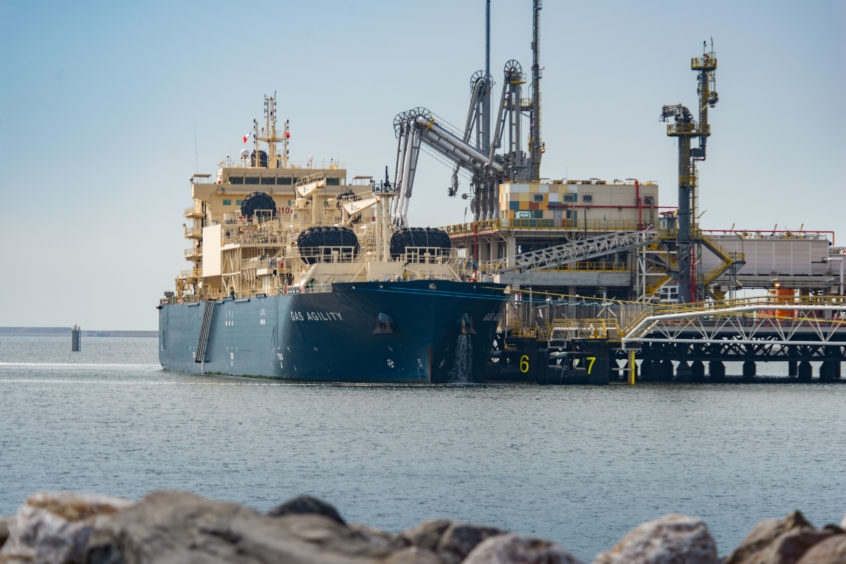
536 147
486 100
685 128
478 156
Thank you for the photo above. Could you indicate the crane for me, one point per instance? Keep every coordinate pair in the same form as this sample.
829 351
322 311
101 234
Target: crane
685 128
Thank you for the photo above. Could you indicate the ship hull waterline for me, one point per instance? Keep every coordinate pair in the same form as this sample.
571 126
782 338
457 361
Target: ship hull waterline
424 331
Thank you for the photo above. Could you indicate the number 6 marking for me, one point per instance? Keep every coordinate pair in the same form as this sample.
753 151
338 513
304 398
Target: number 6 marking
524 363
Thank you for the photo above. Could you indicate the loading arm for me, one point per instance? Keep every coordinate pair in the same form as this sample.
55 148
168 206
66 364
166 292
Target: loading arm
418 126
509 116
479 87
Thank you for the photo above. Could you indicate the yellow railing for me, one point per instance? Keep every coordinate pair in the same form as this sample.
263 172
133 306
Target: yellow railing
720 268
703 63
652 288
593 225
588 328
688 128
585 266
588 266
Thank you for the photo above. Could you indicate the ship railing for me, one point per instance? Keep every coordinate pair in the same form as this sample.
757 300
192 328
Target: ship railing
193 232
314 177
311 164
235 237
425 255
328 253
202 178
195 211
310 288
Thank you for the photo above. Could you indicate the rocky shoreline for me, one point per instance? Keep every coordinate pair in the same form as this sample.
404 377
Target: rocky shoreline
177 526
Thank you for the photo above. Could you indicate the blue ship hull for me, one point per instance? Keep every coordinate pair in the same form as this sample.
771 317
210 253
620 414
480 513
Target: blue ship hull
419 331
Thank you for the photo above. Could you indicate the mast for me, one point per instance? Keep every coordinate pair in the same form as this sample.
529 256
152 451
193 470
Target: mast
535 143
486 99
271 138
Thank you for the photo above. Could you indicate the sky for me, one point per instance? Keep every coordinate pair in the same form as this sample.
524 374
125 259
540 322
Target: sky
108 108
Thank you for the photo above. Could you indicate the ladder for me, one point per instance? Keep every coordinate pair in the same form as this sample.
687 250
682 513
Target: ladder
203 341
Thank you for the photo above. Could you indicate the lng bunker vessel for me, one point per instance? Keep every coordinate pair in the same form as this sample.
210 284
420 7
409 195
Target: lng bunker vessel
299 274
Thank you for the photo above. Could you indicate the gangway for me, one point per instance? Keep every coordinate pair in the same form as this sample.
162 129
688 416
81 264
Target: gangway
575 251
203 339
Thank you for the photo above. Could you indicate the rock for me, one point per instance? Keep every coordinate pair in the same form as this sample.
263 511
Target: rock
763 534
175 526
460 539
304 504
783 541
4 529
378 536
54 527
669 539
832 549
510 548
415 555
452 541
791 546
427 534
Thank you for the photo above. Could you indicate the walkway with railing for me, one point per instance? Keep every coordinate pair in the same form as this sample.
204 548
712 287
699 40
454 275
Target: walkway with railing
778 319
813 321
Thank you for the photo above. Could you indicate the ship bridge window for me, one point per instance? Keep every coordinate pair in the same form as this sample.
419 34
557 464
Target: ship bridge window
587 198
333 181
236 179
238 202
570 197
227 202
268 180
286 180
251 180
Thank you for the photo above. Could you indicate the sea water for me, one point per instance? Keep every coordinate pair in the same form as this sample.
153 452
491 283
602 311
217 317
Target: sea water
578 465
